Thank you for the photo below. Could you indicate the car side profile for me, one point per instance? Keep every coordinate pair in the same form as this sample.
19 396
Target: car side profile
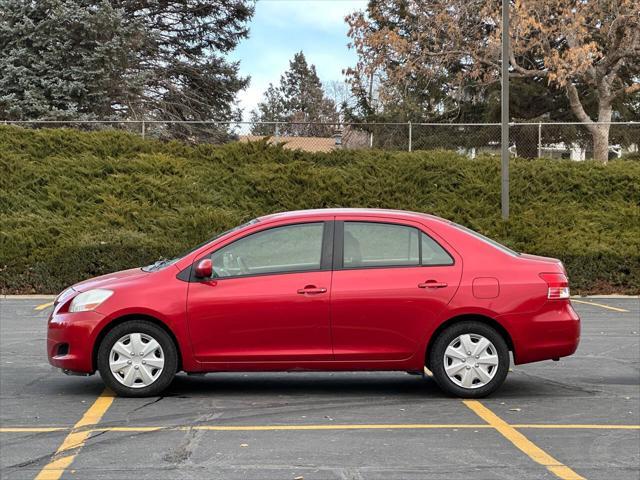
321 290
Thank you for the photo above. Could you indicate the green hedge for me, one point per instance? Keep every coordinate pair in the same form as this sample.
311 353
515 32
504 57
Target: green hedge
77 204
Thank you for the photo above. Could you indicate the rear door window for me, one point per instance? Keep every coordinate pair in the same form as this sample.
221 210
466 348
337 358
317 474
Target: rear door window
368 244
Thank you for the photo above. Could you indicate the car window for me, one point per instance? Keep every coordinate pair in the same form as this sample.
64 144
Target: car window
433 253
291 248
488 240
369 244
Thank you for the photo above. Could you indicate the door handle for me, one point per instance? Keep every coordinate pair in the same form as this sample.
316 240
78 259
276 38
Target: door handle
311 290
432 284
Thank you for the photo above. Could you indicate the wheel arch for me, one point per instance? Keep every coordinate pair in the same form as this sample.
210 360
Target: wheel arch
125 318
465 318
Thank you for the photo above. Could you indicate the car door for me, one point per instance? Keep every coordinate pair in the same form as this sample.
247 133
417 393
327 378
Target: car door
268 299
391 280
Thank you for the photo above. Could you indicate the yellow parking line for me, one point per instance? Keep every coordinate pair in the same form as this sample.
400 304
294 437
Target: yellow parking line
74 441
407 426
43 306
578 427
534 452
615 309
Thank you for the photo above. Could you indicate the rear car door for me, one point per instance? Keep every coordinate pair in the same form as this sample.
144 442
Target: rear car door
391 280
268 300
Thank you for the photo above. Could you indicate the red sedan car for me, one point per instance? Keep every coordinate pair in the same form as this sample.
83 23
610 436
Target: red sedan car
342 289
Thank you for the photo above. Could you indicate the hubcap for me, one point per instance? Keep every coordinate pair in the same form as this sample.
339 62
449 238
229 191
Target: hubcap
471 361
136 360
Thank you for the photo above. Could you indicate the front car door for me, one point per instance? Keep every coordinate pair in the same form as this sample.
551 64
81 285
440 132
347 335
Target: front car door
268 300
391 281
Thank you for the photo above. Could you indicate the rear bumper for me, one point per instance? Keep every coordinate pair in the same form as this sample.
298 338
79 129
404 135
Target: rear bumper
70 340
550 333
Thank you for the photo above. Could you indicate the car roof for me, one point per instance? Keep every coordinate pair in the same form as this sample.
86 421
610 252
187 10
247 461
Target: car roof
349 212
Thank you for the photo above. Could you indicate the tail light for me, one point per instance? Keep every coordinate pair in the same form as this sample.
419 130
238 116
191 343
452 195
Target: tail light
558 285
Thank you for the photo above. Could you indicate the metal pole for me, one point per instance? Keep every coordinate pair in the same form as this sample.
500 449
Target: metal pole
143 129
539 139
505 112
410 136
277 132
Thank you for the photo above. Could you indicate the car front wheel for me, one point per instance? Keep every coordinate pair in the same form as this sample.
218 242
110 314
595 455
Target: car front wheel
137 359
469 359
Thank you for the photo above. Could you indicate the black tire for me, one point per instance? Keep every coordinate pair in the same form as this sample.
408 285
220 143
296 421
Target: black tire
436 359
168 348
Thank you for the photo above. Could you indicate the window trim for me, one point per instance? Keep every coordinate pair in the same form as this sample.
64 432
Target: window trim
326 253
338 247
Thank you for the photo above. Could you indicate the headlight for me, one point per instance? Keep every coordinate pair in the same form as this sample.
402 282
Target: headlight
89 300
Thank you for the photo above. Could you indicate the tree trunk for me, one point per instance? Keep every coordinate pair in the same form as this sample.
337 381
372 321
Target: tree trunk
600 132
600 137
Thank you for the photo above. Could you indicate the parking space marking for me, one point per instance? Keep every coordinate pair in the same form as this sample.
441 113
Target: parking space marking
43 306
378 426
73 442
525 445
578 427
608 307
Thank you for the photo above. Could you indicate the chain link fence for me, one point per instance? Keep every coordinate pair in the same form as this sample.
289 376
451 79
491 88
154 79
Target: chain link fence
568 140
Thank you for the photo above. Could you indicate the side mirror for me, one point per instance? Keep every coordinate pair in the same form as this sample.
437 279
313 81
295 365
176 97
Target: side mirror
204 269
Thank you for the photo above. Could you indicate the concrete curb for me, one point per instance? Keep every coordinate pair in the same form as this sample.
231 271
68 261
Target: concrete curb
28 297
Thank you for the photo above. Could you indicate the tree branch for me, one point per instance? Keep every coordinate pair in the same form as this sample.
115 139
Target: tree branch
577 108
628 90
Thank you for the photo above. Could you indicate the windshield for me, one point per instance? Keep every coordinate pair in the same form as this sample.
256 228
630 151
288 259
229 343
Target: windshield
165 262
486 239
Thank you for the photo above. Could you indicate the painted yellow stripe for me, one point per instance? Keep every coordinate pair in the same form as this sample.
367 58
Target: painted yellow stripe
75 440
578 426
222 428
615 309
43 306
534 452
418 426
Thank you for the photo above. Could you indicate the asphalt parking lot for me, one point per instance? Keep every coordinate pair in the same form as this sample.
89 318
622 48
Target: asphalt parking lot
577 418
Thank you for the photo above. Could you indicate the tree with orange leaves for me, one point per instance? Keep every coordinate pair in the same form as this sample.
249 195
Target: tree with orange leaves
588 48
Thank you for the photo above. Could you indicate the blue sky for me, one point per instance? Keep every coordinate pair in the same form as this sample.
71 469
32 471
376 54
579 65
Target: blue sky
280 28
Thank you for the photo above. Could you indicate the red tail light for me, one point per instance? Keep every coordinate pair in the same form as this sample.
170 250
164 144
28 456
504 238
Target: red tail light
558 285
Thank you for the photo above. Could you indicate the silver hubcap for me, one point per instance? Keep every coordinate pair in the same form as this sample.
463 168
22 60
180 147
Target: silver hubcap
136 360
471 361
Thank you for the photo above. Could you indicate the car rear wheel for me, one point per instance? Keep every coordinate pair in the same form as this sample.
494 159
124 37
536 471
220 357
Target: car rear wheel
469 359
137 359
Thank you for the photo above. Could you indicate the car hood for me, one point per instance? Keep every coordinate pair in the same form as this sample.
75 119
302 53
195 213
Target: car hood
110 279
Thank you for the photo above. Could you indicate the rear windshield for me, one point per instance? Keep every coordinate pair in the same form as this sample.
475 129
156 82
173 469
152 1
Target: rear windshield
486 239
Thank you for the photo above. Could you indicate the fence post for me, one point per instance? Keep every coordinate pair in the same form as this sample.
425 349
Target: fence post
143 129
371 139
277 133
410 136
539 139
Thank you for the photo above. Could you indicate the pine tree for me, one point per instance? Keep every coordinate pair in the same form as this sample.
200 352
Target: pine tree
79 59
299 101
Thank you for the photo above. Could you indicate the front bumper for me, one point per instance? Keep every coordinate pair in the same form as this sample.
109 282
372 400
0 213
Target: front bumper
70 340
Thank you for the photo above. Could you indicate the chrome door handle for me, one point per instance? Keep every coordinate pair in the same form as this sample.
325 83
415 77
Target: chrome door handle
311 290
432 284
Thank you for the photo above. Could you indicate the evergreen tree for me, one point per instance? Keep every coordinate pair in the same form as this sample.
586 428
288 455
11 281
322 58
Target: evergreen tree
133 59
60 61
300 101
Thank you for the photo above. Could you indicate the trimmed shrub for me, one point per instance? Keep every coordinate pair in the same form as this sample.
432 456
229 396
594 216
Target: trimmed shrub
79 204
